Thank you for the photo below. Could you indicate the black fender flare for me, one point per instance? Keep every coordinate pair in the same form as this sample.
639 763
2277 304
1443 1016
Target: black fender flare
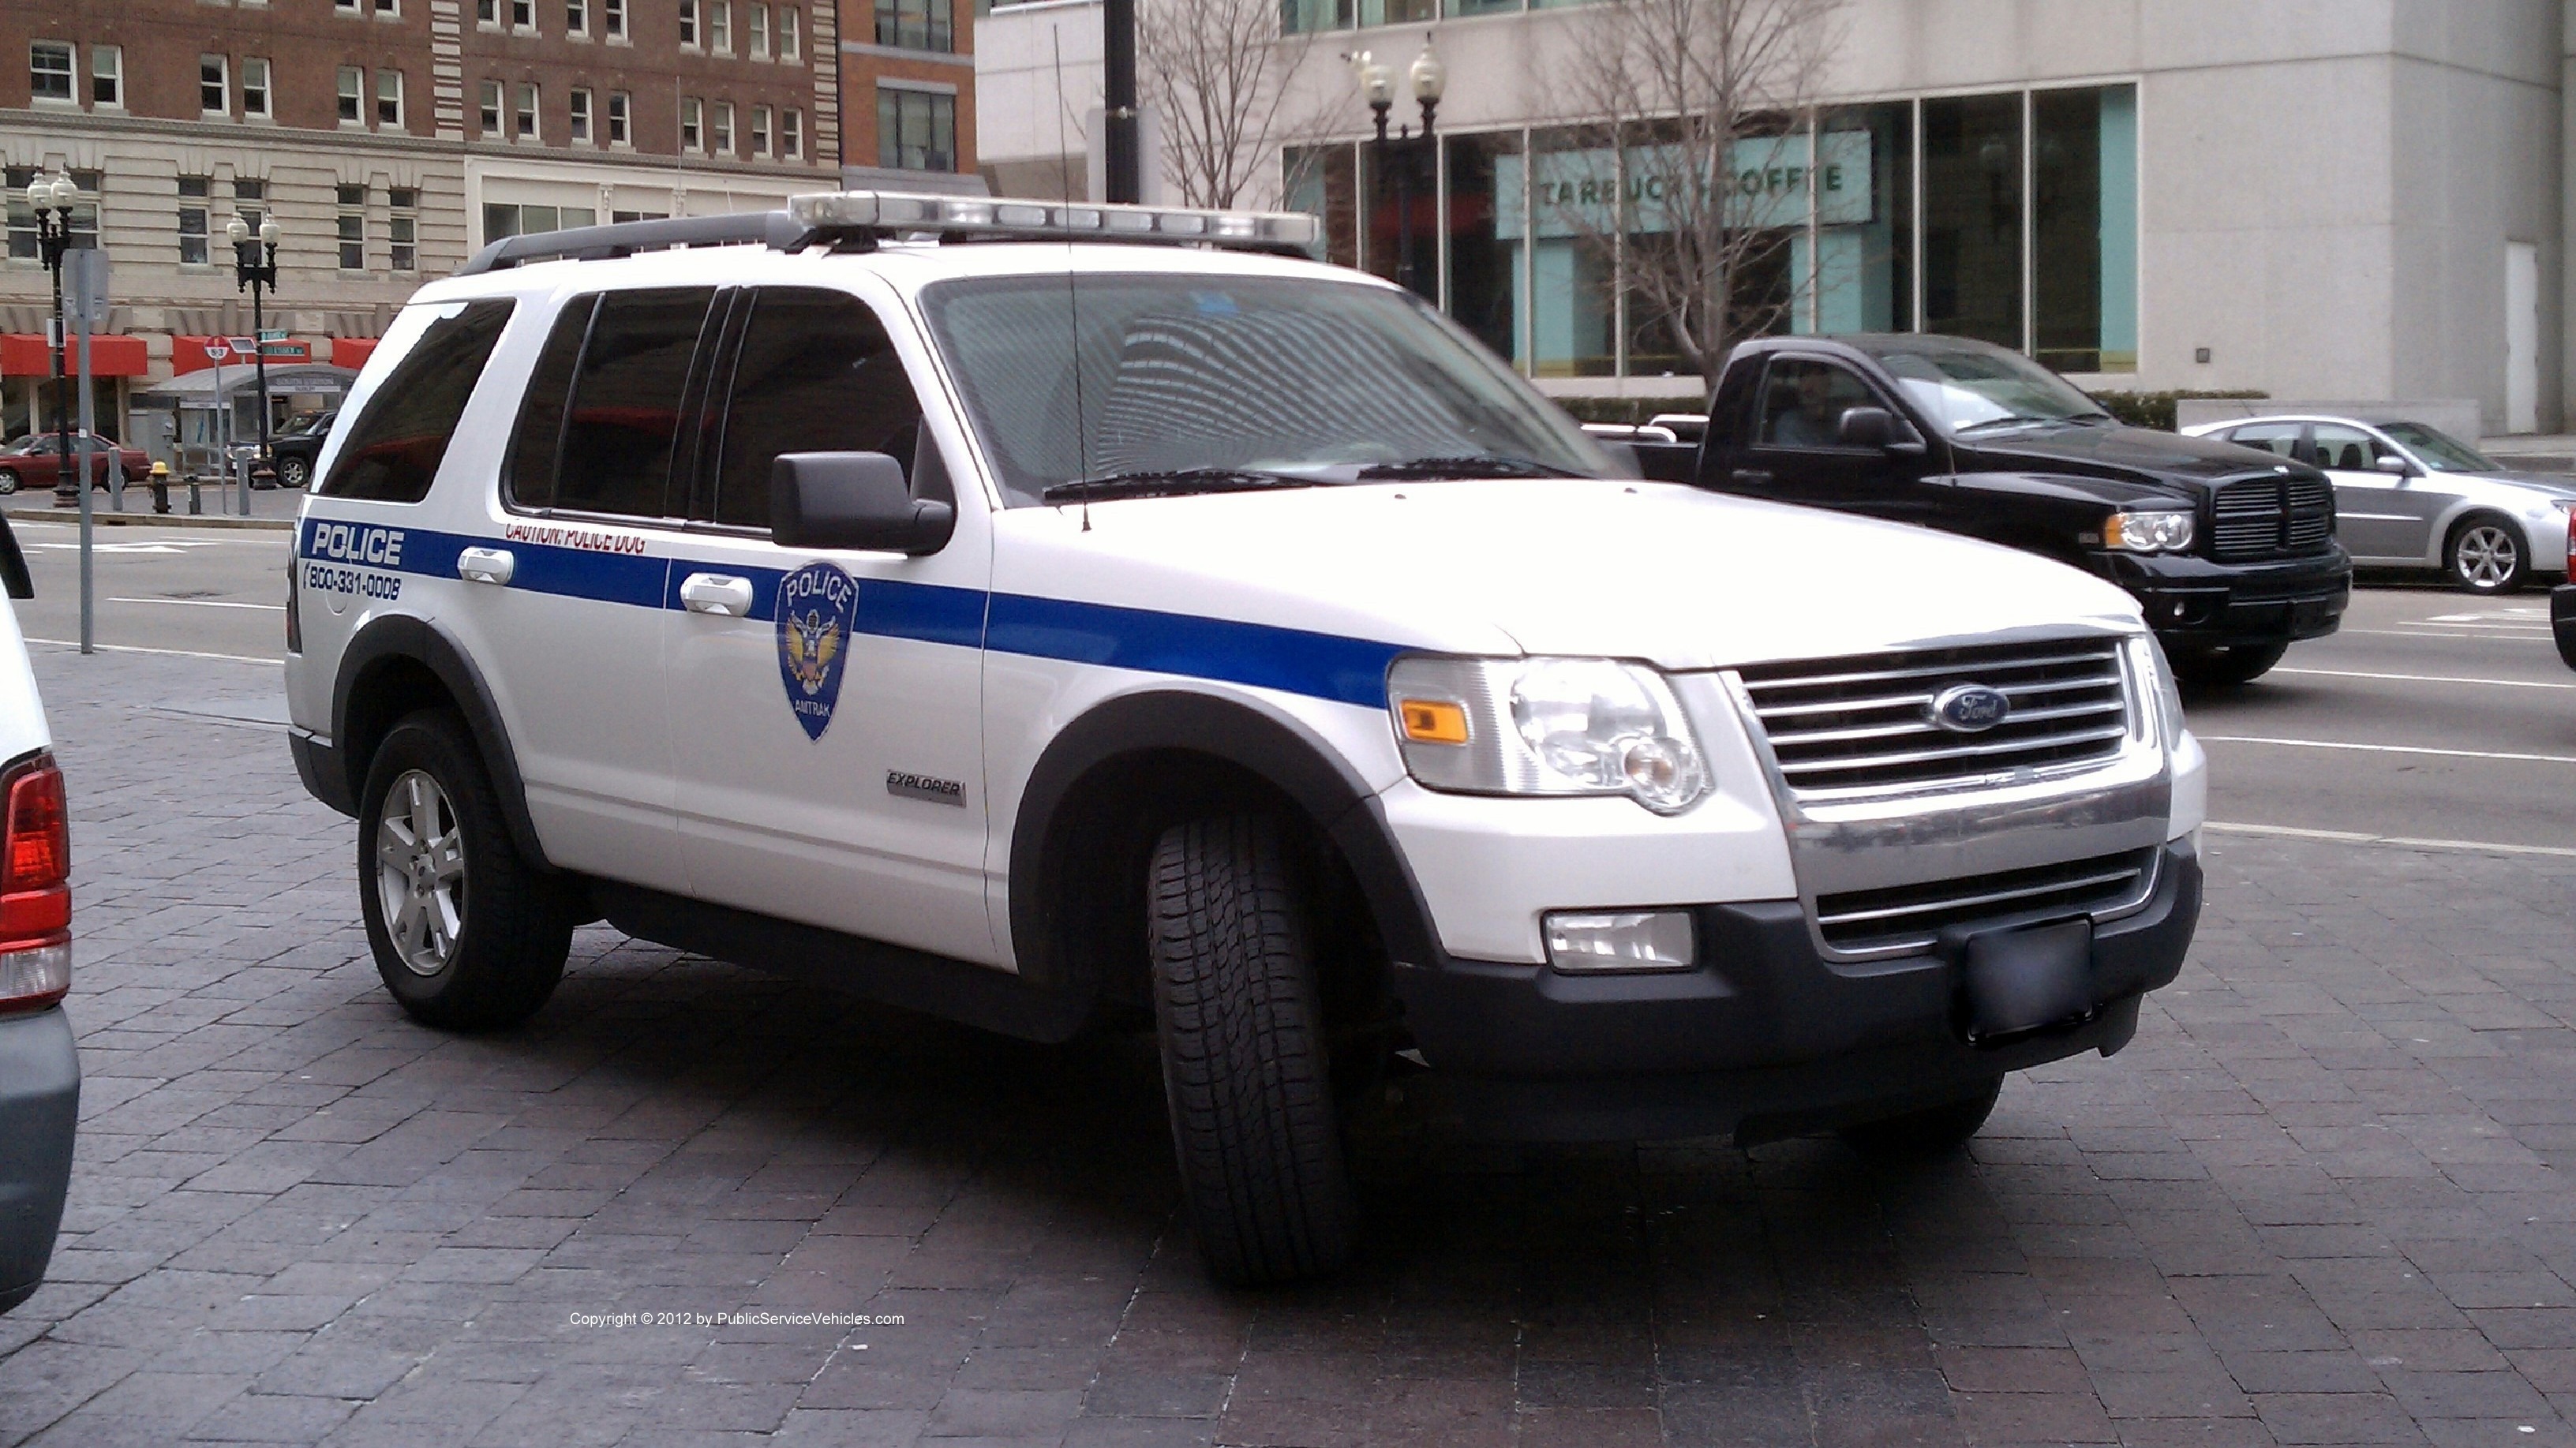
406 637
1280 752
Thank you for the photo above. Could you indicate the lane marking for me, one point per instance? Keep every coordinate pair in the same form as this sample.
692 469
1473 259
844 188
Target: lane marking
2401 678
2426 633
2355 837
281 608
2387 748
74 645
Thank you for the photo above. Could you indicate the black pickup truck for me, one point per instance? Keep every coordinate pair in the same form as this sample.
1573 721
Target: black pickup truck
2230 551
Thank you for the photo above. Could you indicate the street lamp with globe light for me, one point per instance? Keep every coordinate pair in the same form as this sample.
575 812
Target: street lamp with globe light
255 269
1402 153
52 202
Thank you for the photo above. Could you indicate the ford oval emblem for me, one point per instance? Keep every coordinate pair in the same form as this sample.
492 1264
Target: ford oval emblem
1970 708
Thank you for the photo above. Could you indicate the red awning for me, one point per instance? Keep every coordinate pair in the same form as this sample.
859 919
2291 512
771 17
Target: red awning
24 354
352 352
188 354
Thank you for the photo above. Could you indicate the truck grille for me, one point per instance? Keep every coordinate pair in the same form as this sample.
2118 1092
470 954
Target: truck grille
1911 917
2270 517
1863 724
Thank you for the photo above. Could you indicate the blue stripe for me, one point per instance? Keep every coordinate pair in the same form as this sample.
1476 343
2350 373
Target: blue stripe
1322 666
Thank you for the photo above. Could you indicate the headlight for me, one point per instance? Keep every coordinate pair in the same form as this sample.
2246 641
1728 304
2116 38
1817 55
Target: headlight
2148 654
1546 726
2159 532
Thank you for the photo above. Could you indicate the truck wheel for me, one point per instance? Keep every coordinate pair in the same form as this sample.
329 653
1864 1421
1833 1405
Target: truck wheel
1929 1132
2227 664
2486 554
467 935
1263 1178
294 473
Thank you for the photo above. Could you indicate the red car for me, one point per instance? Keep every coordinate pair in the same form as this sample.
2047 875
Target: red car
30 461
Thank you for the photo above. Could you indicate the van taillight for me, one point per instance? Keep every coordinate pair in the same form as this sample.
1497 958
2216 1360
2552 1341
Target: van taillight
35 888
2571 542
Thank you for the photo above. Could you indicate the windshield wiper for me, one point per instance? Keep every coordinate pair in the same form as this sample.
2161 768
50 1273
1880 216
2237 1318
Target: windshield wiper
1476 465
2023 420
1170 483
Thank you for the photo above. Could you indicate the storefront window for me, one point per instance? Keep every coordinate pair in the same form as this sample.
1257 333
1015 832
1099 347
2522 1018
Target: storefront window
1403 214
2084 195
1573 208
1860 274
1486 279
1319 181
1972 217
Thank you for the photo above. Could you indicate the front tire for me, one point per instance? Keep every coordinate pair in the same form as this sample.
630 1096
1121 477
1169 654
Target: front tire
2226 664
1932 1131
467 934
2487 555
1264 1181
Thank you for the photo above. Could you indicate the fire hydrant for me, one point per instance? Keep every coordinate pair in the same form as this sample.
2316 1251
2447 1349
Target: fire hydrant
160 482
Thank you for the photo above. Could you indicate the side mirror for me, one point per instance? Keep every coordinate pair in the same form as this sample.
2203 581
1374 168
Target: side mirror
1865 427
853 500
2392 465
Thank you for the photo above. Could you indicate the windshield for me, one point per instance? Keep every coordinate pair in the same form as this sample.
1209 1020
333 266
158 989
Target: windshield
2439 450
1963 387
1185 376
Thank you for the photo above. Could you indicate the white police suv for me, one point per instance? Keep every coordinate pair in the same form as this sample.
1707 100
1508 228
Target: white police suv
1059 616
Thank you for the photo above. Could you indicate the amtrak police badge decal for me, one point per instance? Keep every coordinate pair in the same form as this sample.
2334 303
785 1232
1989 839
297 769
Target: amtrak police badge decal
817 604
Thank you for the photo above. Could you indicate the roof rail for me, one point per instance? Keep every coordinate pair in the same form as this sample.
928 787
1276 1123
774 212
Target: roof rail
625 238
865 217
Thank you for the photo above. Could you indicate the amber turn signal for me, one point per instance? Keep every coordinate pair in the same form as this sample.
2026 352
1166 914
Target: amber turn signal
1432 721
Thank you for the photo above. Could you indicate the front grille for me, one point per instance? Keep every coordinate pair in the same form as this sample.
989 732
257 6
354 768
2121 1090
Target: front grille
1911 917
1863 725
2271 517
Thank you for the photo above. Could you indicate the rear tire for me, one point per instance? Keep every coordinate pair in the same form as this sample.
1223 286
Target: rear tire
294 473
8 482
467 934
2486 555
1932 1131
1264 1181
2227 664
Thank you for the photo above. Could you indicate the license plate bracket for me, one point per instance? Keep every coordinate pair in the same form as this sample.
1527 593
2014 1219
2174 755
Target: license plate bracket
2030 978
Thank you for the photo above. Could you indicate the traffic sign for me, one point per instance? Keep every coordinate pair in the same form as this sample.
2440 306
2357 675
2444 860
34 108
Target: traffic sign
217 350
273 334
85 287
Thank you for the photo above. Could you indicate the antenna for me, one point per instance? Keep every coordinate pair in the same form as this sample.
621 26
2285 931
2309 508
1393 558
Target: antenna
1072 290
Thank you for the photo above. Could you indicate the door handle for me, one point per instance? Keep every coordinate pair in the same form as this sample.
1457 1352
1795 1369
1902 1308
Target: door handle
485 565
1759 477
717 594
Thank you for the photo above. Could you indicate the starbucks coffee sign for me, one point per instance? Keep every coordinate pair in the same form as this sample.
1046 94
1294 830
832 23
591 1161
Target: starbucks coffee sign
1770 181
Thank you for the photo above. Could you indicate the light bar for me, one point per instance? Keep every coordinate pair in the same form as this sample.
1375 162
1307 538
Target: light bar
897 211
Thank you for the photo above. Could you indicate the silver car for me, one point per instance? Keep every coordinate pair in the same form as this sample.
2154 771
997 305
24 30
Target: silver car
2410 496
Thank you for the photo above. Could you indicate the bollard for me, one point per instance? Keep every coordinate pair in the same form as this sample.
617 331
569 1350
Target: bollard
196 505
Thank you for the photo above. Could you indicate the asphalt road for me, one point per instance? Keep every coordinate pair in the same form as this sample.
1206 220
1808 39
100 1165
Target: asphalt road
191 590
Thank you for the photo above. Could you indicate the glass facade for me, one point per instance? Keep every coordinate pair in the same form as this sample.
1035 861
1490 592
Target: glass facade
2010 217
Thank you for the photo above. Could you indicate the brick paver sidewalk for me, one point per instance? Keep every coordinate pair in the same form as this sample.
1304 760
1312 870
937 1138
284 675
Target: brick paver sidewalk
2318 1202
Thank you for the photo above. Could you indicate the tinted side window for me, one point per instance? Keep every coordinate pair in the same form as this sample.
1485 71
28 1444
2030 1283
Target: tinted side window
1803 402
816 373
536 441
393 451
626 402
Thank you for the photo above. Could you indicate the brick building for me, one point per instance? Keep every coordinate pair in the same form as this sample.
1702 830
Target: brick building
908 70
388 138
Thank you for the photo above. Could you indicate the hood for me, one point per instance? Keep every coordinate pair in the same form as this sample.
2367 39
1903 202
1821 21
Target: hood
1683 578
2556 485
2122 452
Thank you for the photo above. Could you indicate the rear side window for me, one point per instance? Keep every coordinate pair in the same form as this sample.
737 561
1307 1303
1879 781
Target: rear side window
393 452
622 418
816 373
535 442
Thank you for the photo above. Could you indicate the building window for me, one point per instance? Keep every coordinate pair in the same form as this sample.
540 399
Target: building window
788 26
755 19
49 70
107 76
691 128
487 12
488 107
523 14
353 227
526 115
720 129
720 26
915 24
2084 229
502 220
623 217
214 85
193 194
389 99
916 130
402 227
389 9
255 87
620 105
760 133
577 17
353 96
345 6
688 22
22 218
791 134
577 117
250 200
612 18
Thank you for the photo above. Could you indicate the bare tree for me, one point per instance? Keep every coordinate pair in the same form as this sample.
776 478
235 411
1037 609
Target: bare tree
1699 172
1215 73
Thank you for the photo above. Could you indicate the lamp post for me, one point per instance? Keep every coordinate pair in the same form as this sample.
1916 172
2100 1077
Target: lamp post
255 269
1403 152
52 202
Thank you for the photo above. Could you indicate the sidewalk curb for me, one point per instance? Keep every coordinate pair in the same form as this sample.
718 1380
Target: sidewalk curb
107 519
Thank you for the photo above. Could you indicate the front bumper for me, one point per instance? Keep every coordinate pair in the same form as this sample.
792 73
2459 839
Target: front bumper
2193 601
39 1110
2562 621
1765 1038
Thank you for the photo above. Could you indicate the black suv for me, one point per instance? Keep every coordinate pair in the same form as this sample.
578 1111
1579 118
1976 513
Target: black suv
2230 551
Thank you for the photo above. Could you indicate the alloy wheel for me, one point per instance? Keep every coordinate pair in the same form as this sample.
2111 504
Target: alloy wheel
420 872
2486 557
